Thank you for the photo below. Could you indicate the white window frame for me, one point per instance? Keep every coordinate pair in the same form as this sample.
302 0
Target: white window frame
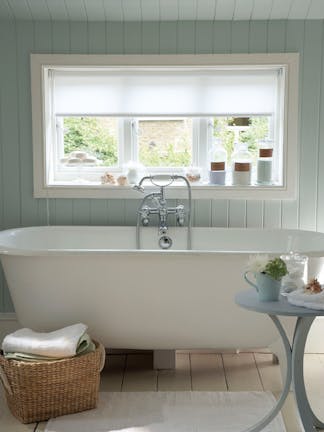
42 133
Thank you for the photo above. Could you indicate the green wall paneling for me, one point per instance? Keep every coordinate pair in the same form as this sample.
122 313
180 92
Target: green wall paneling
11 164
220 213
115 38
272 214
186 37
98 212
97 37
240 36
310 103
168 36
18 39
254 214
258 32
237 213
150 38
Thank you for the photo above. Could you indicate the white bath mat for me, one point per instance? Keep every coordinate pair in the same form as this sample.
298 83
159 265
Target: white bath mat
172 412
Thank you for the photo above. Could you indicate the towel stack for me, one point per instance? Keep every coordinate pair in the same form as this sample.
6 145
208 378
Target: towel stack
27 345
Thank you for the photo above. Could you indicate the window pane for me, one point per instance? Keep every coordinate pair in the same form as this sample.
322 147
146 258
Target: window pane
250 130
92 140
165 142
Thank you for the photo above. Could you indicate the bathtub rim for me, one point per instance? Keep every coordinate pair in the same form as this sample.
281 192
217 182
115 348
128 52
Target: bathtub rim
13 251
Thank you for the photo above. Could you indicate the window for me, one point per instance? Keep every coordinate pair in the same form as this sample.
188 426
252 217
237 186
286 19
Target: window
164 142
94 114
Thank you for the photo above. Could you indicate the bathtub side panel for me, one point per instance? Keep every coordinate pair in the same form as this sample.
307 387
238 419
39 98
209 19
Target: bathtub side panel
142 301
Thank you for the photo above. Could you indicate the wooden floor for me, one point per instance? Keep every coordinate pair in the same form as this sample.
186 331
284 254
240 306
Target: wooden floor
197 371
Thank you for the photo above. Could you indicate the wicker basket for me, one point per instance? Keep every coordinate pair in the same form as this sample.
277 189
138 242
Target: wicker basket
37 391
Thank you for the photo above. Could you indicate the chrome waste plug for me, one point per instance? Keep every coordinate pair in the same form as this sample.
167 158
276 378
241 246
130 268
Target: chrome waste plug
165 242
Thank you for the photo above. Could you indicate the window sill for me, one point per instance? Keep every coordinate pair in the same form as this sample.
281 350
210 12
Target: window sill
199 191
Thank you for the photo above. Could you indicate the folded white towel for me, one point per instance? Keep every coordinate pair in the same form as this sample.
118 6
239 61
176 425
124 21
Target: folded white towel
58 344
311 301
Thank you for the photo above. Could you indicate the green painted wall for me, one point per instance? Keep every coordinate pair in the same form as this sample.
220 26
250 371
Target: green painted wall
19 39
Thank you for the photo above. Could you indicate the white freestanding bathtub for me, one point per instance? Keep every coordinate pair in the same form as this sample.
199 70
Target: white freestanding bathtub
149 298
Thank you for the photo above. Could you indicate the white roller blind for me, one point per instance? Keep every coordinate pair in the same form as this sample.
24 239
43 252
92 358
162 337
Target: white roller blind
163 92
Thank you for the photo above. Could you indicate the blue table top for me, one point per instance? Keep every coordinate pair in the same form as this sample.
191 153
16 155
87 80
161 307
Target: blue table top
249 300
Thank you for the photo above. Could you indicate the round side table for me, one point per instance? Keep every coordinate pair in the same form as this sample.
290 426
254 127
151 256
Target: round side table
294 354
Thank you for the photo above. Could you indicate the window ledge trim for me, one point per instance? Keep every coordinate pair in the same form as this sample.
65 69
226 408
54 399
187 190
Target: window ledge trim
174 192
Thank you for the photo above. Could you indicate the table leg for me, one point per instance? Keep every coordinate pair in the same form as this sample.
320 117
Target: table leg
307 416
277 407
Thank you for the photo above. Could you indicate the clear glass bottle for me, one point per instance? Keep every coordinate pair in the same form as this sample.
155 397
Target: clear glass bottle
297 272
218 157
264 163
241 165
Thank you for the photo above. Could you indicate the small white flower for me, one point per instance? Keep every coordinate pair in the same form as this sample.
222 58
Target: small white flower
257 263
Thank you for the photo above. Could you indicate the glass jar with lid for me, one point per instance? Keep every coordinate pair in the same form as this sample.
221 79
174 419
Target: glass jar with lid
264 163
218 157
241 165
297 272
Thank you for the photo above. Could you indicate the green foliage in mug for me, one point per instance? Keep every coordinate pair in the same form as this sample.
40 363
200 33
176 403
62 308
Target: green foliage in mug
276 268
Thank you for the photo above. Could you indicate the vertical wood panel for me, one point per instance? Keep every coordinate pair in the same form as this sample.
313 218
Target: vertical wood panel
276 36
115 38
133 37
204 37
98 212
63 211
203 213
150 38
272 214
1 182
254 214
97 37
237 213
131 206
240 36
168 38
81 212
222 39
61 37
258 37
186 37
320 160
116 212
79 37
219 213
310 124
25 44
10 134
289 216
43 37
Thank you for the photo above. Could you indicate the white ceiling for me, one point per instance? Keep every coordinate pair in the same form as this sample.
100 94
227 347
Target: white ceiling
160 10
